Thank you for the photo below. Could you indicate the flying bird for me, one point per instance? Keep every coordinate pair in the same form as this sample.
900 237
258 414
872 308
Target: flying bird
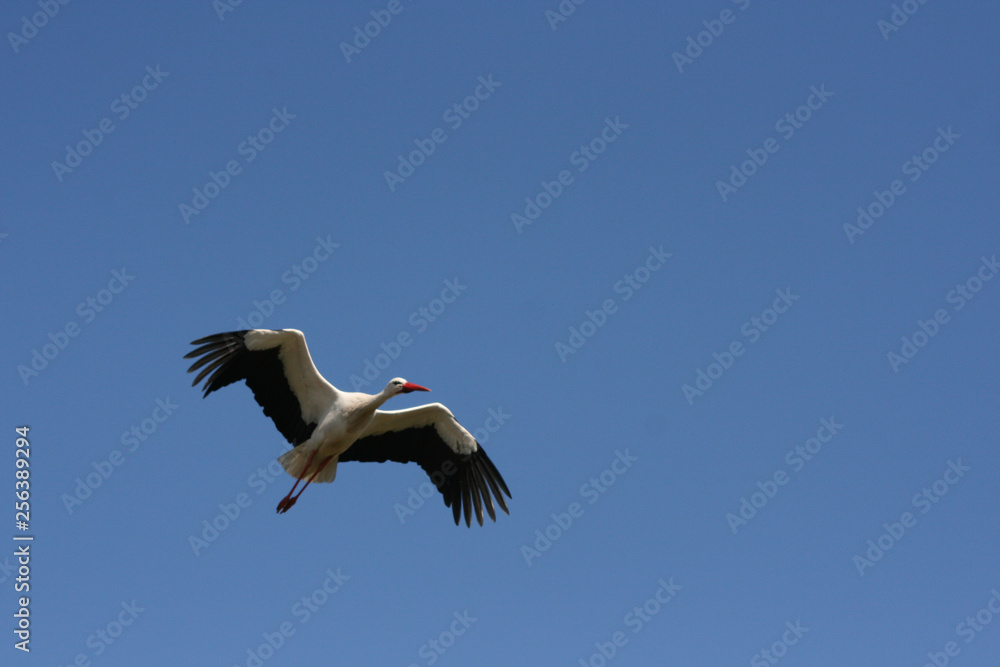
327 426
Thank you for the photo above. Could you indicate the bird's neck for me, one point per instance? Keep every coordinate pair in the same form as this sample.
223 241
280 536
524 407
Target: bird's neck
360 411
378 399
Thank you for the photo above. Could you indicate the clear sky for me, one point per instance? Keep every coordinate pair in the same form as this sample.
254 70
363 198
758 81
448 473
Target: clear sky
714 285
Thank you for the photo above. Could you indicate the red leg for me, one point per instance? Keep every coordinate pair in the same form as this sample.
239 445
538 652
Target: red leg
311 478
285 504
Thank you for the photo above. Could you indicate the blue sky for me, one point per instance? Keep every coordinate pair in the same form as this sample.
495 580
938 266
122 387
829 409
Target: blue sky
723 313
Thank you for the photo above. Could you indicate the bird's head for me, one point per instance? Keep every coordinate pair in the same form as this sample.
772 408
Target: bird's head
401 386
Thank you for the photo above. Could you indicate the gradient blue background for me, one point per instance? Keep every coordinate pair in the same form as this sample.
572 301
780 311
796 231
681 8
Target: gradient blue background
495 346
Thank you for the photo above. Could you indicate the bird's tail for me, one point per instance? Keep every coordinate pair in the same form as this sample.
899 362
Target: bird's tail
294 462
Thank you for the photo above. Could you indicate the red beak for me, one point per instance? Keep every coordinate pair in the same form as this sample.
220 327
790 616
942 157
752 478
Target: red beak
409 386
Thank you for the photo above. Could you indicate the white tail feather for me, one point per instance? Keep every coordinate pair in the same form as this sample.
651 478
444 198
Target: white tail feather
294 462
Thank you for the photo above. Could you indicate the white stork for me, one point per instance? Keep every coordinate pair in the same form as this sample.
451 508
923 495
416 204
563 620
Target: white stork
326 426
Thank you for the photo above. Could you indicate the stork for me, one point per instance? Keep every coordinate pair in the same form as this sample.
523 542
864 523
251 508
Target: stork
326 426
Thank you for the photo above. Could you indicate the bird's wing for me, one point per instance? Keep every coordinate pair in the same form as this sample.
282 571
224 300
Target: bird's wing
278 369
430 436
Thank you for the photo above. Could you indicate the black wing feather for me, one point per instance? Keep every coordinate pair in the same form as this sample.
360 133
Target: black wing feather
466 487
226 360
487 501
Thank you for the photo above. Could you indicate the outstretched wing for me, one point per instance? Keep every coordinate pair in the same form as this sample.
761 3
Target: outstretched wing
430 436
278 369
